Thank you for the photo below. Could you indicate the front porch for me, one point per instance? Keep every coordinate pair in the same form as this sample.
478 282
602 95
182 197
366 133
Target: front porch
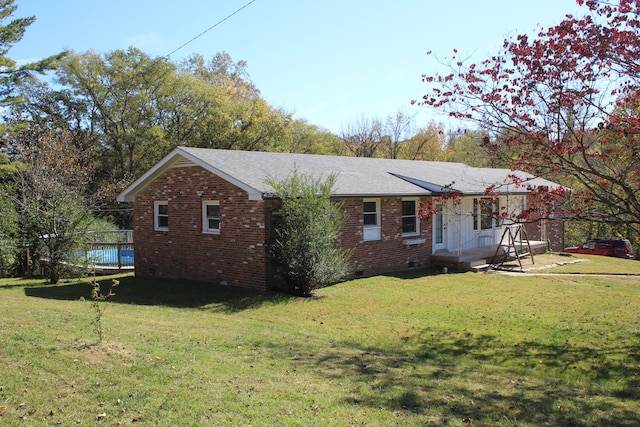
474 258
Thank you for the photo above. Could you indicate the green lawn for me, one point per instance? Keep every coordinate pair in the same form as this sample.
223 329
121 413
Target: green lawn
455 349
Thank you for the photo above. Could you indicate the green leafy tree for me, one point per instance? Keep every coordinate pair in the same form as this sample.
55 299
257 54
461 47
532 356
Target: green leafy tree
138 108
12 32
8 243
125 92
302 137
12 75
231 114
8 219
54 217
428 144
311 225
467 149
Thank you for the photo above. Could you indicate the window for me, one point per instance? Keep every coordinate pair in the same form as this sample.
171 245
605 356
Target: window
210 217
438 225
409 217
483 210
371 219
161 216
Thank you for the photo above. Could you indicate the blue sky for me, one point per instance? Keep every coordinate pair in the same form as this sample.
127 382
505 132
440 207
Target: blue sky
331 62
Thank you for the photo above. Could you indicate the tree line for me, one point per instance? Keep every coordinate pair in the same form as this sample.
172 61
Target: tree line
77 128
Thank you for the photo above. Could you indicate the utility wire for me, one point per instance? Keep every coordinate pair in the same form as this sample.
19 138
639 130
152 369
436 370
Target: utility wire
209 29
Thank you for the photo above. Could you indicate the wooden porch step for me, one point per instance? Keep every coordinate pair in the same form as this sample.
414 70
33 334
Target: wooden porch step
480 268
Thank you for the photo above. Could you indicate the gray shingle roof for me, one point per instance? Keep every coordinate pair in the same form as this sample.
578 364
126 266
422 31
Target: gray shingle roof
356 176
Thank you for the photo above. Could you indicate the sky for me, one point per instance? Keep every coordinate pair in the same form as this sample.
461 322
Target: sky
333 63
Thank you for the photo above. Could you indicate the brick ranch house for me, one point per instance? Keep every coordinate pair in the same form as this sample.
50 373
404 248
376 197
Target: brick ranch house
206 214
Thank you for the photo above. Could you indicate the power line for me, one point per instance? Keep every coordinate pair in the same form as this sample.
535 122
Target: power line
210 28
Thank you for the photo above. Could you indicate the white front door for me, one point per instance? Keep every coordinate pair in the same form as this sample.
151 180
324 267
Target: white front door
439 229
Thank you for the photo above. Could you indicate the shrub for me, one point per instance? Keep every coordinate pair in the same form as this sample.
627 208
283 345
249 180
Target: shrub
305 240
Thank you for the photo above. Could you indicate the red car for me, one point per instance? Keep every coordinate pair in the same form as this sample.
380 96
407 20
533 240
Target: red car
620 248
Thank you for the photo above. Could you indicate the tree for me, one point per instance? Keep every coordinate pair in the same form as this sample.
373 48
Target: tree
11 76
8 217
304 138
306 240
363 138
139 107
49 199
230 112
125 92
428 144
10 33
466 149
563 105
397 129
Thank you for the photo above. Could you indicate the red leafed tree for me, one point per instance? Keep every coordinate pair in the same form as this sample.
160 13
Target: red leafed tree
564 105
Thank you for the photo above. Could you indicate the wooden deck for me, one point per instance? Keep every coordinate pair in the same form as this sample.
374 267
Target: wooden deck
470 259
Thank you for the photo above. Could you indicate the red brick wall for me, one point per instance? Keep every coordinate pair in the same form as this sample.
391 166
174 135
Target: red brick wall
237 256
548 229
389 253
553 229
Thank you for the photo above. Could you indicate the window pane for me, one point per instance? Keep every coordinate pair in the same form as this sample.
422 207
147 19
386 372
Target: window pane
213 211
408 207
370 213
475 214
163 221
409 225
439 225
486 214
369 207
162 215
409 219
370 219
212 216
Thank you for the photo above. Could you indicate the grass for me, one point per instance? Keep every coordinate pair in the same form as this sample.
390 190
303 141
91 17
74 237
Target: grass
576 263
453 349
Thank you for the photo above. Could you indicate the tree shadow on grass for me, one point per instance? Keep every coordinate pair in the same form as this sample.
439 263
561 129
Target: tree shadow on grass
21 282
471 377
416 273
169 293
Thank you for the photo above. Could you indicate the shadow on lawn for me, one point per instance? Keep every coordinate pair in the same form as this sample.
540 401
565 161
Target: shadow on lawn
170 293
450 379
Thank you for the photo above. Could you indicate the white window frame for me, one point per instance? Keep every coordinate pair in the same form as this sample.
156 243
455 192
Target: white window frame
205 219
483 220
371 232
156 215
415 216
